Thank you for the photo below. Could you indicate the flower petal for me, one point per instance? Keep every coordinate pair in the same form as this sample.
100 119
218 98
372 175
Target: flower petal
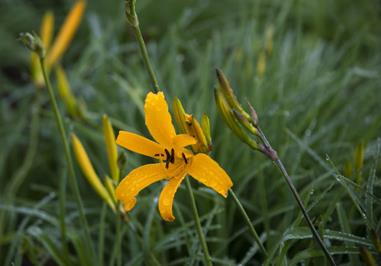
183 140
158 119
166 198
137 180
207 171
138 144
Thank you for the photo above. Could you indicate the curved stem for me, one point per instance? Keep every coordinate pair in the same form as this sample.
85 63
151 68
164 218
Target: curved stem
69 161
271 153
248 222
197 222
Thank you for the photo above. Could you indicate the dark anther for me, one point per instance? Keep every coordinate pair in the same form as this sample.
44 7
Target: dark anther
185 158
172 156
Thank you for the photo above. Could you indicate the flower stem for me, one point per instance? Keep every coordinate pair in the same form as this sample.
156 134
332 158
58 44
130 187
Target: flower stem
248 222
69 161
271 153
197 222
133 20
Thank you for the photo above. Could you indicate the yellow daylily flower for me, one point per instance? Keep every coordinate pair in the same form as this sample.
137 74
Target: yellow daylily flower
175 160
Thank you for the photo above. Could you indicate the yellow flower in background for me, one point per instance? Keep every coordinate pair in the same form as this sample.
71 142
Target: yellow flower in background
175 160
61 43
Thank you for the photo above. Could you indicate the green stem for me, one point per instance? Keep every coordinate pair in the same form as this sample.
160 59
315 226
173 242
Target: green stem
271 153
69 161
197 222
248 222
134 22
147 62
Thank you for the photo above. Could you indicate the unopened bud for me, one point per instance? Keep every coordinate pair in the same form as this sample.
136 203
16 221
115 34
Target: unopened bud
228 93
205 125
110 186
253 115
231 119
65 92
111 148
33 43
179 115
269 33
89 172
202 143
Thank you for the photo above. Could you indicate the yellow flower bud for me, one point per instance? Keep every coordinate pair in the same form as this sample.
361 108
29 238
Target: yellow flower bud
110 186
47 28
89 172
66 33
226 89
205 125
180 115
196 131
261 64
65 92
269 39
112 152
231 119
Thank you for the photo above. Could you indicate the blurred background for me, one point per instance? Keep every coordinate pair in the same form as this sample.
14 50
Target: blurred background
310 68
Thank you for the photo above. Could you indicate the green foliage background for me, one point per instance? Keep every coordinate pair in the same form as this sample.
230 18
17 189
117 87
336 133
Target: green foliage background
319 98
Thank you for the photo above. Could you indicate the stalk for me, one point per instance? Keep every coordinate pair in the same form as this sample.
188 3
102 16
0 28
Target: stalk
197 222
69 161
248 222
272 154
133 20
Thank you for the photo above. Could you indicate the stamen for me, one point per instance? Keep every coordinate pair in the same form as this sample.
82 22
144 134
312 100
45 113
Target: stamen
185 158
172 156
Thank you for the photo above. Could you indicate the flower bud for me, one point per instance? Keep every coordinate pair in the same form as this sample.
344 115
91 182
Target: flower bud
189 125
205 125
226 89
112 151
33 43
231 120
194 129
89 172
180 115
65 92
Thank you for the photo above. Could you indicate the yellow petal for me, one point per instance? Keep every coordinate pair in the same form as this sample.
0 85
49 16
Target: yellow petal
66 33
89 172
158 119
166 198
111 148
138 144
183 140
137 180
47 27
207 171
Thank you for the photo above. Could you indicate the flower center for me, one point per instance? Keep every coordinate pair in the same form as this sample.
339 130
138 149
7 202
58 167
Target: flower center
169 157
